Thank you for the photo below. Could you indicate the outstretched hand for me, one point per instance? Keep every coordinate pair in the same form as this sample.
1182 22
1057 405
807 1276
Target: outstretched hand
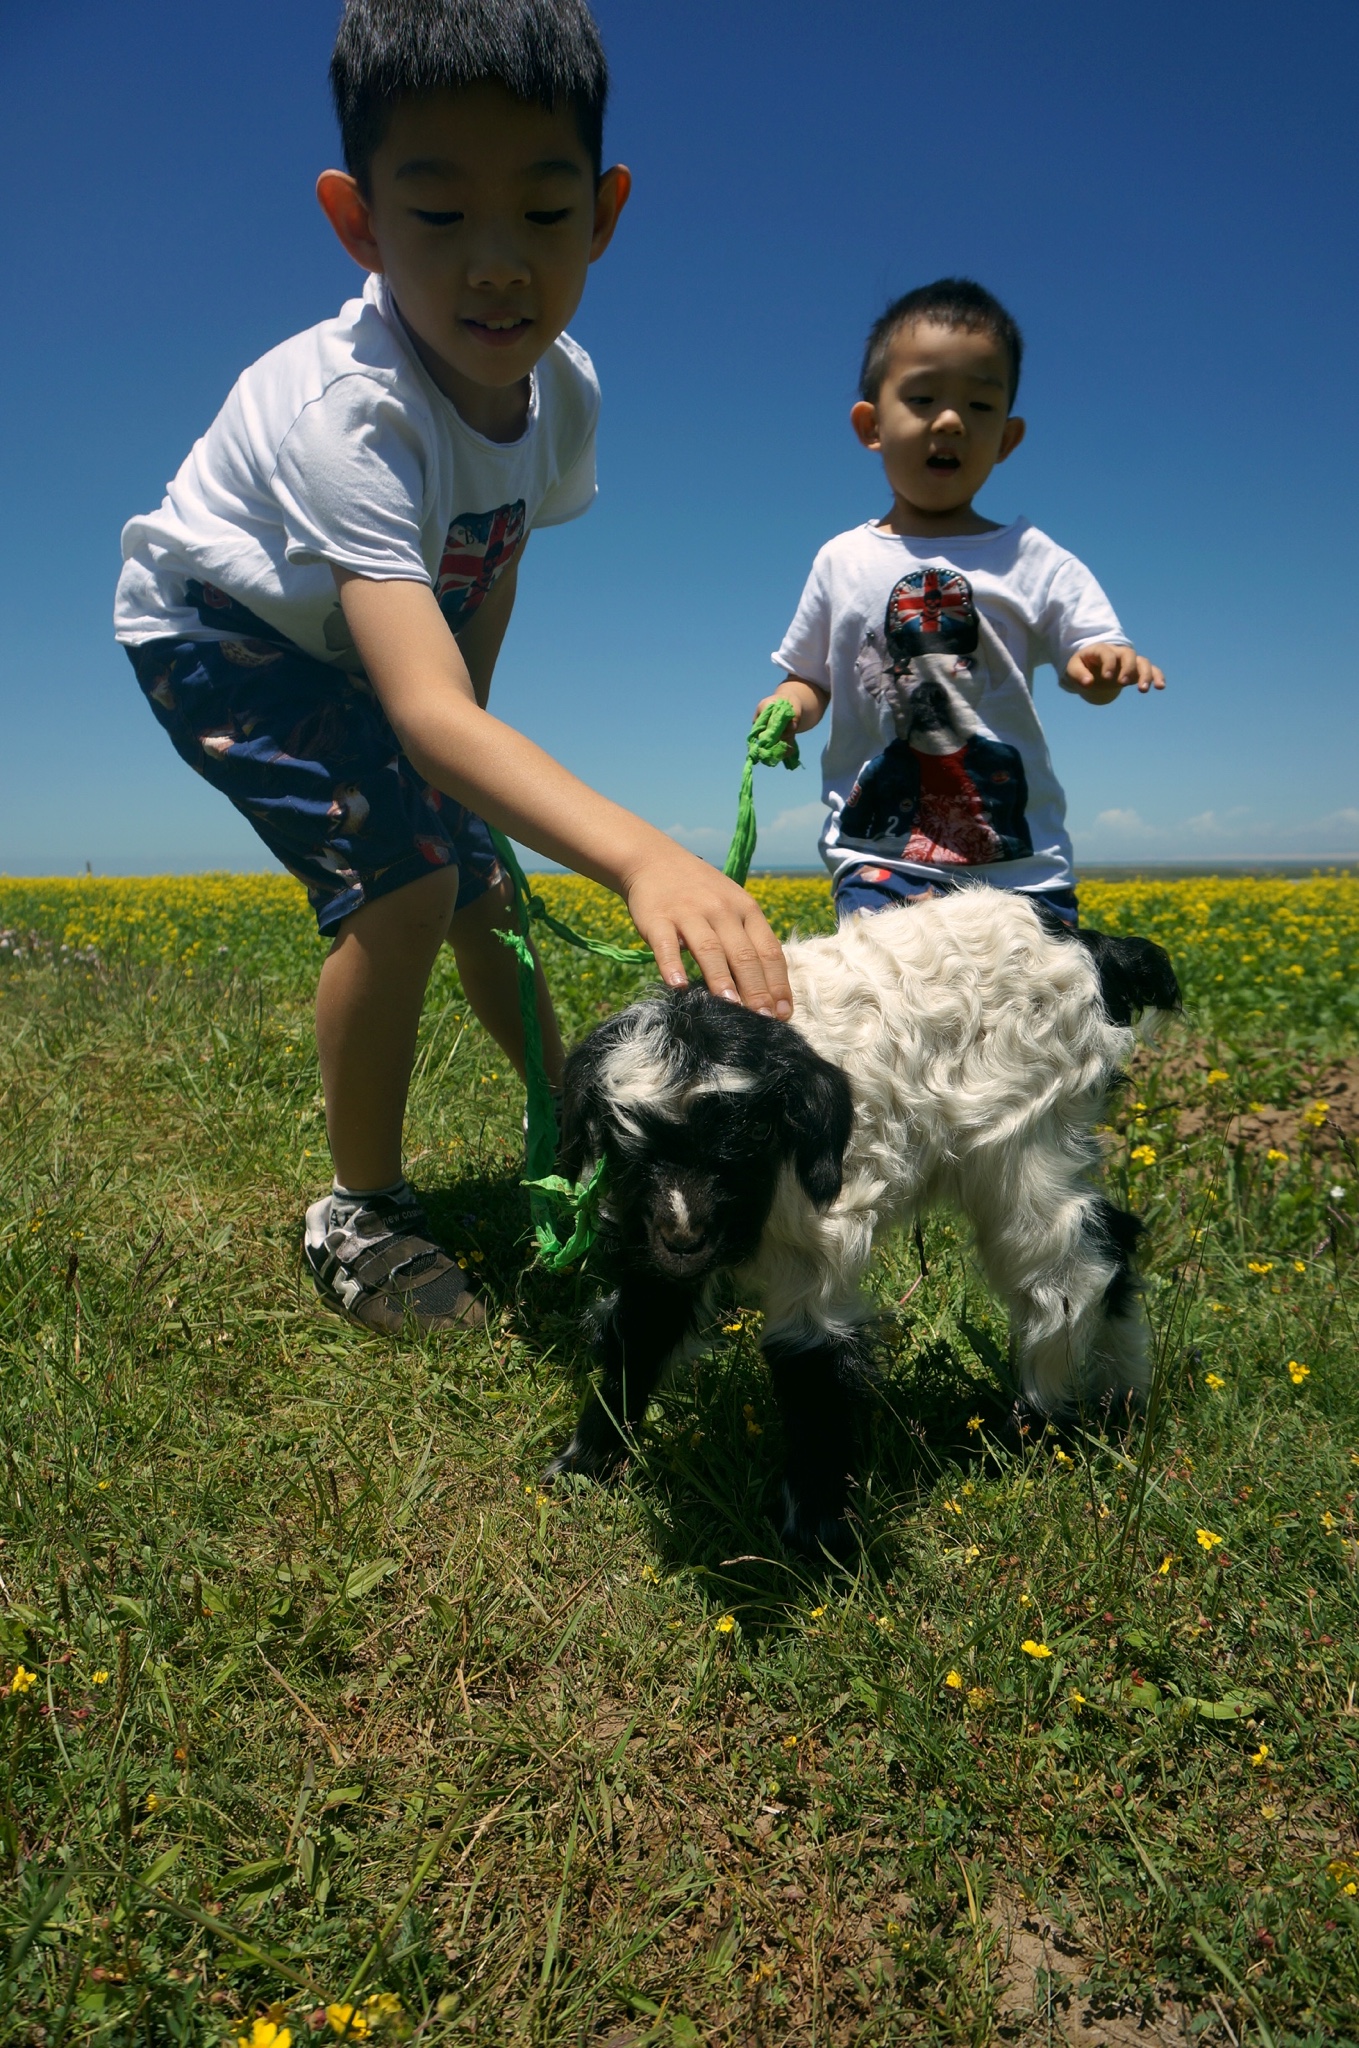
677 901
1102 669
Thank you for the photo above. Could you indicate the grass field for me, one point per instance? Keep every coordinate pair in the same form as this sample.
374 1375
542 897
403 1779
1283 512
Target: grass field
321 1718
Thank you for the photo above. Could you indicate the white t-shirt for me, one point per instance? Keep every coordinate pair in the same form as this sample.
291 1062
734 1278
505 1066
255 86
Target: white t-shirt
338 448
936 762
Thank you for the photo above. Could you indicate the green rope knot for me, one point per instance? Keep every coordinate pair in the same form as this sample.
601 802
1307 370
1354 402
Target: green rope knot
767 744
581 1198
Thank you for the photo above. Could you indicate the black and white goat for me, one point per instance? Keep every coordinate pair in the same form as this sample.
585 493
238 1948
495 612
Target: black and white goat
953 1051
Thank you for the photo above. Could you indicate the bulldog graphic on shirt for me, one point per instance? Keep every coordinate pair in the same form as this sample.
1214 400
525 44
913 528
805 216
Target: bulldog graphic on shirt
945 787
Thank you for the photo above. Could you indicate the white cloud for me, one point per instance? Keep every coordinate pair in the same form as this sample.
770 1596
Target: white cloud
1235 834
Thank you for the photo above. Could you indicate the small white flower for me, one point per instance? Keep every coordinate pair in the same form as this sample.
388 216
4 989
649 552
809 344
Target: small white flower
1337 1194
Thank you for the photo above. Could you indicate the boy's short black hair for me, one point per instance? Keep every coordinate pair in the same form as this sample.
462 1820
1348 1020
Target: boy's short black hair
948 302
543 51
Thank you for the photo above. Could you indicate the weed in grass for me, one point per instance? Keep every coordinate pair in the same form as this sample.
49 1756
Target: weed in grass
320 1716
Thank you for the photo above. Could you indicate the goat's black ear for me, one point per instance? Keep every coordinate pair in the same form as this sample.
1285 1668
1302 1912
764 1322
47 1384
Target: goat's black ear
819 1112
1134 975
583 1104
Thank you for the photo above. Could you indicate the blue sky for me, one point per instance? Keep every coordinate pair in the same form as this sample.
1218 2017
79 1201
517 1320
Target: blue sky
1163 195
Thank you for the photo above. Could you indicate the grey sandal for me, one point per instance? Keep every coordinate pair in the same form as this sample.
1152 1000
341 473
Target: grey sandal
379 1267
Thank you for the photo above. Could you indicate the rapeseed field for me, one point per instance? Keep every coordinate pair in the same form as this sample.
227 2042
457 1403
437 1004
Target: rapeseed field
322 1719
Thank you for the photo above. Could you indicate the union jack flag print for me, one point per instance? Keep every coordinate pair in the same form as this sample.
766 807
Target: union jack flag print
930 611
478 546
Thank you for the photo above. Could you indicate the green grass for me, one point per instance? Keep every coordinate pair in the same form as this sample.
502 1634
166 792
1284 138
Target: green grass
381 1718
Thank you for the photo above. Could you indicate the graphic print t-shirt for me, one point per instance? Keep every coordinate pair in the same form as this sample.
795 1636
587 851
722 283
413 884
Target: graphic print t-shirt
337 448
936 761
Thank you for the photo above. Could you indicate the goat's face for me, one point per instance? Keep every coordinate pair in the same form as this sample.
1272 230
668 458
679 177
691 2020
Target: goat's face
696 1106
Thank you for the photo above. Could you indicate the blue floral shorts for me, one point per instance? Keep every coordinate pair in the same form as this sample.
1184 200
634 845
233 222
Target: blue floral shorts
305 753
866 887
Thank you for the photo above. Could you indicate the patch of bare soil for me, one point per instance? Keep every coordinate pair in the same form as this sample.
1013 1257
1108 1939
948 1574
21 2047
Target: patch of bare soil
1039 1968
1336 1083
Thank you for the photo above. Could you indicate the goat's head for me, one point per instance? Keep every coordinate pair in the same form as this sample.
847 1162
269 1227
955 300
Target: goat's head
696 1106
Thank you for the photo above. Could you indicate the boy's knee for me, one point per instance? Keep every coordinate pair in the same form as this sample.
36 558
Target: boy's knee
416 917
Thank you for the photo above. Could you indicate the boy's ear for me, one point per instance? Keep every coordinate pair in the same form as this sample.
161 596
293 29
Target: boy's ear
863 417
345 207
611 196
1011 436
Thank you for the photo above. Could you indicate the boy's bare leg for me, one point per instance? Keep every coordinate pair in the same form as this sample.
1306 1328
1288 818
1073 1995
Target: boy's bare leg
489 971
368 1004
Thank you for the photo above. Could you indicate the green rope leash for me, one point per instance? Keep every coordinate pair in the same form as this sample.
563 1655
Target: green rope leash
767 744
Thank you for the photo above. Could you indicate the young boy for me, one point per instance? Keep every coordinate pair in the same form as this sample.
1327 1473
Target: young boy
922 631
314 612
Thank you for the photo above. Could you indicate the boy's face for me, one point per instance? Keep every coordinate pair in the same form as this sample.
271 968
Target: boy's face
942 418
483 213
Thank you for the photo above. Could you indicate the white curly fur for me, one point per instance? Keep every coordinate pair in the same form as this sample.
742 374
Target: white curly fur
979 1054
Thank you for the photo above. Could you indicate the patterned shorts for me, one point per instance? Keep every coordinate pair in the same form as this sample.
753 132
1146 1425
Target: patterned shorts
305 752
874 888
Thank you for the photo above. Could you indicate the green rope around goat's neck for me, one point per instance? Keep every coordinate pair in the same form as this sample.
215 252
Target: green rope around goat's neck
768 743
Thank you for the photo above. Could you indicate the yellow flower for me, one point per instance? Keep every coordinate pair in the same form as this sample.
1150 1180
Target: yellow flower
954 1681
102 1485
1256 1108
753 1428
99 1678
1078 1699
1274 1155
971 1554
1143 1155
266 2034
1299 1265
1316 1116
1207 1540
152 1803
1259 1265
977 1696
1298 1373
1261 1753
731 1329
974 1422
1059 1456
817 1613
1328 1520
1215 1381
22 1680
1269 1813
724 1624
951 1507
1033 1649
1163 1568
790 1742
344 2019
1216 1074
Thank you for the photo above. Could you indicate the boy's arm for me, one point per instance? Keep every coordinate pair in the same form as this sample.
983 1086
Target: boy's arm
1102 669
809 700
480 640
674 899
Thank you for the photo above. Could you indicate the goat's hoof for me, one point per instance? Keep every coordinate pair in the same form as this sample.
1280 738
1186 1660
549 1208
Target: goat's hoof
600 1462
811 1534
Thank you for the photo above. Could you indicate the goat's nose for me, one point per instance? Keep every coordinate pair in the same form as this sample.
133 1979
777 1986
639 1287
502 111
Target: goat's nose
675 1225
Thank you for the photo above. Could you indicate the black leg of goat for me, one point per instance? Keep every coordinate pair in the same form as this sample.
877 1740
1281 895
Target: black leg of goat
644 1325
818 1388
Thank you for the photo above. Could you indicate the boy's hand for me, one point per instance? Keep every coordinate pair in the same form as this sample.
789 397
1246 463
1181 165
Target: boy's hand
809 700
1102 669
676 900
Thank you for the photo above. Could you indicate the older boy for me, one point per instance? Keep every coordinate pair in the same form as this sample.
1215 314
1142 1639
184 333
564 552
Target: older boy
315 611
922 631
